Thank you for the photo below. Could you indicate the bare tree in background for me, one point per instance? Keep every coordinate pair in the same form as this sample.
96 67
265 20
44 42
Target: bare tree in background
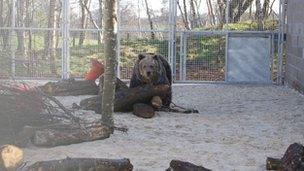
100 20
20 33
210 12
236 10
184 14
108 88
259 14
84 18
49 40
150 20
194 17
222 12
5 21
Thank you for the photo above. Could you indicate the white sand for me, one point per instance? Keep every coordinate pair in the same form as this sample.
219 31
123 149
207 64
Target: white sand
236 129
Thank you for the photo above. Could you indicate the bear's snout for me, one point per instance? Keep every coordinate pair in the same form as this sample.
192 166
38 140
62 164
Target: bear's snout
149 73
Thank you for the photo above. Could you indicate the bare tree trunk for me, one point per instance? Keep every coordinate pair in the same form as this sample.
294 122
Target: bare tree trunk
49 42
58 21
241 10
222 12
193 20
183 16
197 4
210 12
186 15
265 9
84 18
270 8
5 33
20 33
250 12
108 89
259 14
90 15
100 21
150 20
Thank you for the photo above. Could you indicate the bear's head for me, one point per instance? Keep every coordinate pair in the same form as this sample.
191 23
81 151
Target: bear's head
148 67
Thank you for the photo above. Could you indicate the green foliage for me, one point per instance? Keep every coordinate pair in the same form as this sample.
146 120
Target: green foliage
252 25
132 47
210 49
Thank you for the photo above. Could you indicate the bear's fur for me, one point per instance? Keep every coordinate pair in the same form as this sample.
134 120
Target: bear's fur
155 70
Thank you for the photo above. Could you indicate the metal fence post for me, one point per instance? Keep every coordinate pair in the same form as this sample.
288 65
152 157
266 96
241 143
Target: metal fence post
227 39
172 36
280 42
12 53
65 39
183 56
227 14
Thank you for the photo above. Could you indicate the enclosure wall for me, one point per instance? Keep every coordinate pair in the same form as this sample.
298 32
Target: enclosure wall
295 44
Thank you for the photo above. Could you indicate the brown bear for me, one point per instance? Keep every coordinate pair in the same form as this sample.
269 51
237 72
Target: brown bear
155 70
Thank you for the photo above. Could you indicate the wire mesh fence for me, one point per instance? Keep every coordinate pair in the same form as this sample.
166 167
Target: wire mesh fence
134 43
205 57
32 35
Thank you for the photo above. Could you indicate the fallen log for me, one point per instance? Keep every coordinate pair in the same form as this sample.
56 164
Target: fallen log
67 134
11 157
70 87
273 163
177 165
124 100
74 164
293 159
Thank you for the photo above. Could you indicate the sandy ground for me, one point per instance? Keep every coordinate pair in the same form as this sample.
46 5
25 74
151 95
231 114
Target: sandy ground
237 128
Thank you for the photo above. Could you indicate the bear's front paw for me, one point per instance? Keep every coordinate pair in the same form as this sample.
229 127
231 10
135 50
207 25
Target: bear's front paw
156 102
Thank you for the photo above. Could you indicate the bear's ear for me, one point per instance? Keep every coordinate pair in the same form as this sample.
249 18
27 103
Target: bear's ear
141 56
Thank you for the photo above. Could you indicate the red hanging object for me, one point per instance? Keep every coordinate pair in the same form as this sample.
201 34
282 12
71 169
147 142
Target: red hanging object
96 70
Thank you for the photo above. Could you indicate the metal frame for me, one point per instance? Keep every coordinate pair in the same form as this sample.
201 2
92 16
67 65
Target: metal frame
65 43
281 42
13 57
172 31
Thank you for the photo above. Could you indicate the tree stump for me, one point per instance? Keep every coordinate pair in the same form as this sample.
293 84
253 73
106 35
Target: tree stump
75 164
177 165
10 157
